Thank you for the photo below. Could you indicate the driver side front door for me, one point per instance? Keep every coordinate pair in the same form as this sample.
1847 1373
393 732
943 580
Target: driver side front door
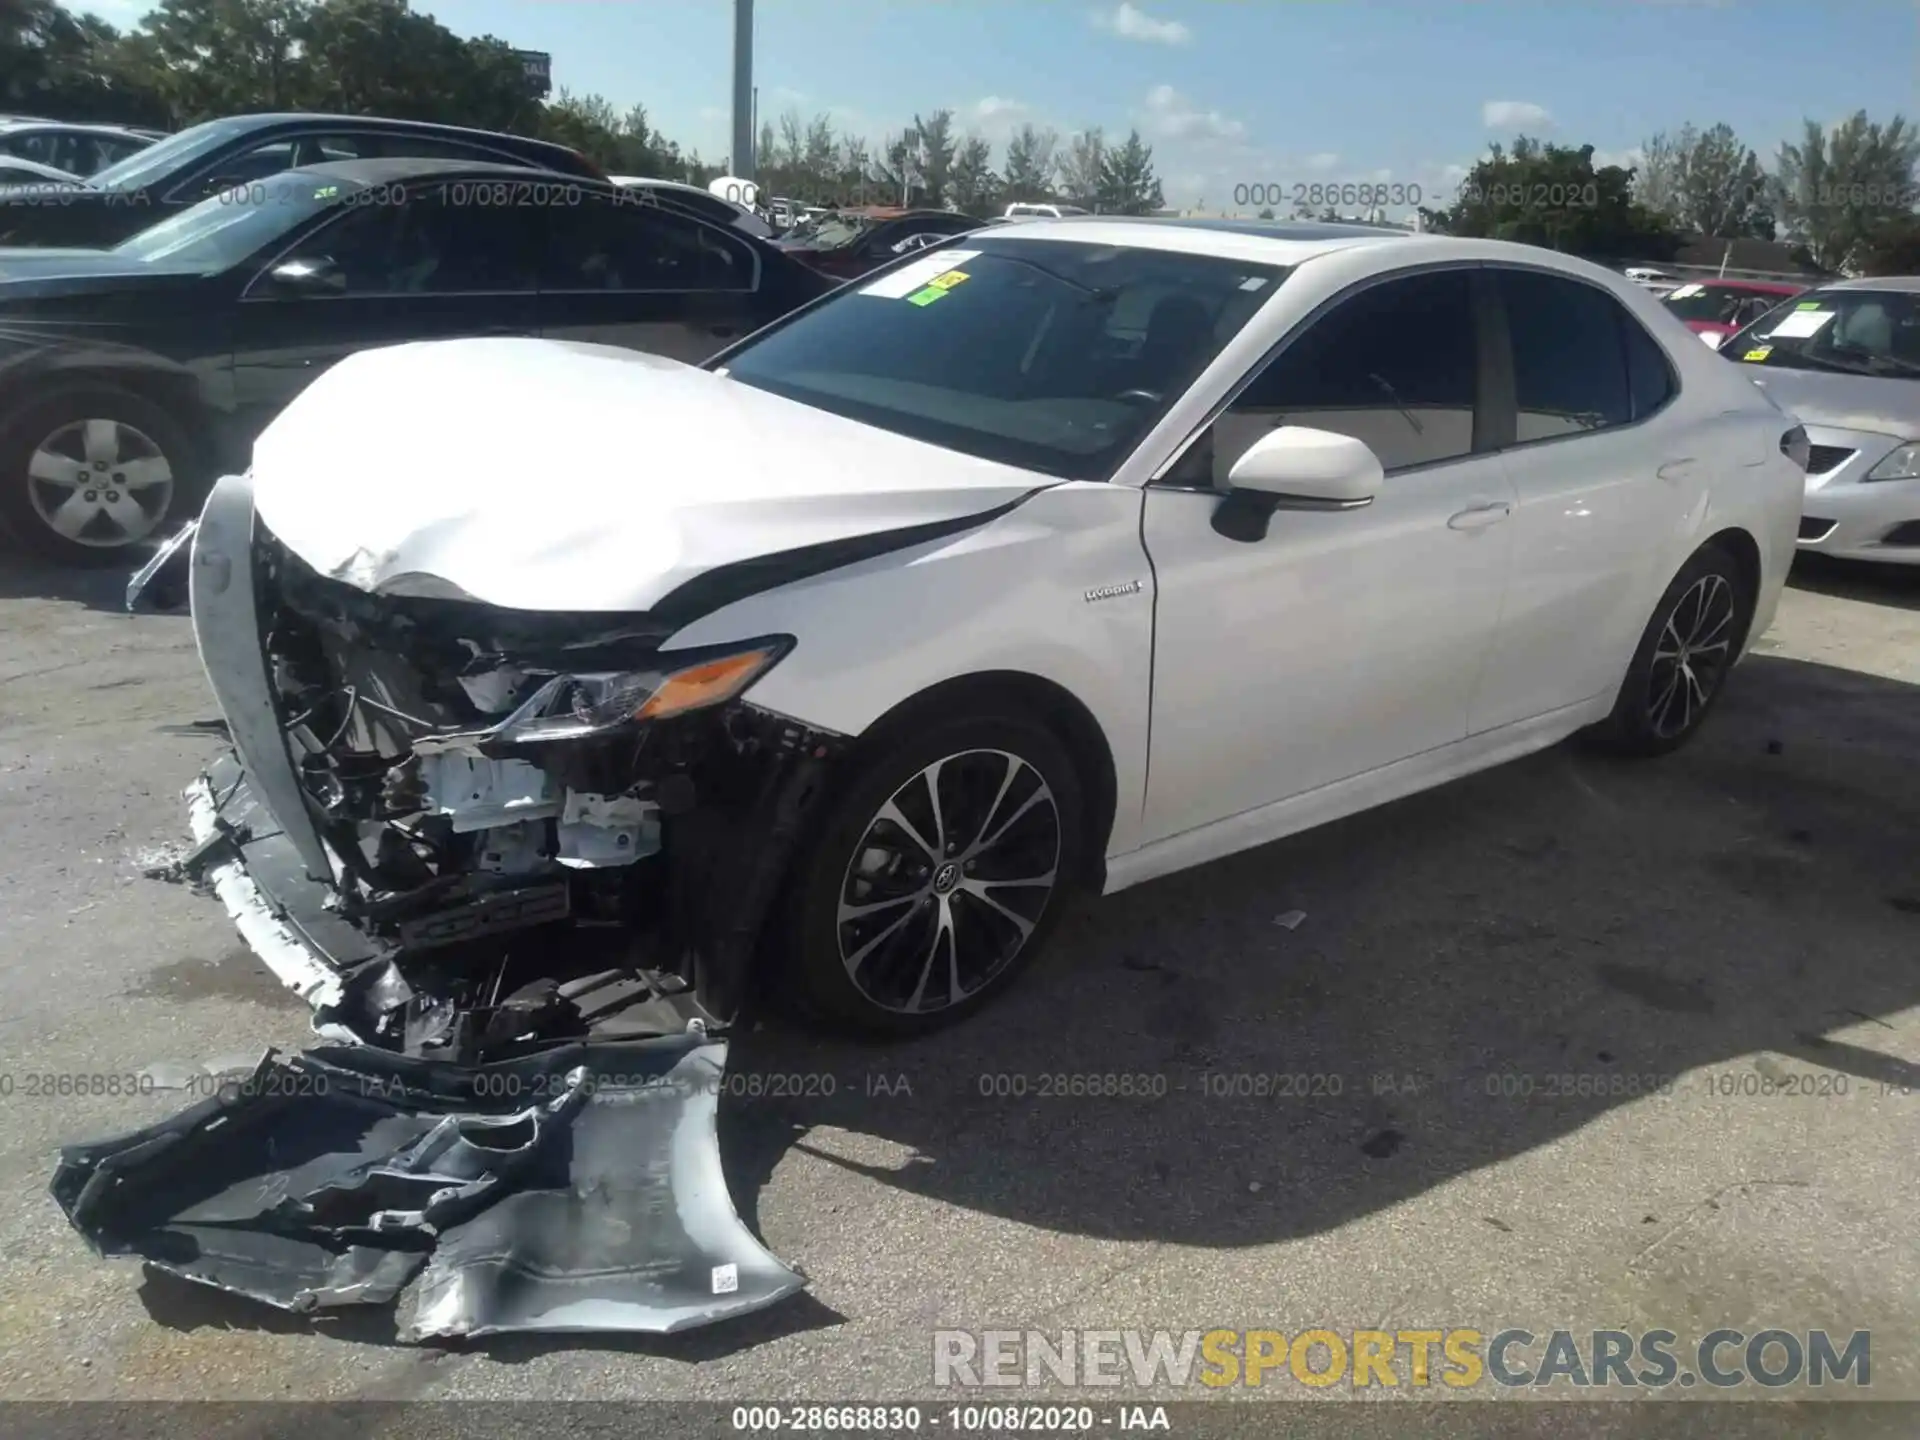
1342 642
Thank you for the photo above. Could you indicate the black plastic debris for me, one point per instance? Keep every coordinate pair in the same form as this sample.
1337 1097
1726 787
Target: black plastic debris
577 1189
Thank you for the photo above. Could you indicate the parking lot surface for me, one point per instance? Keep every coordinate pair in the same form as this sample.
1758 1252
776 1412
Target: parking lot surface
1375 1118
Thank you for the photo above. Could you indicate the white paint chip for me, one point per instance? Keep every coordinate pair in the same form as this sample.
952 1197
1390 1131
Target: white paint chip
726 1279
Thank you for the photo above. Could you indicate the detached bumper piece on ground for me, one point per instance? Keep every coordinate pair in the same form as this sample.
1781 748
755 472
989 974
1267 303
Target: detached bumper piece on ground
579 1189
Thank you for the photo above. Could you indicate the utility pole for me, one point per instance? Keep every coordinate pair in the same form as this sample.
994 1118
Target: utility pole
744 160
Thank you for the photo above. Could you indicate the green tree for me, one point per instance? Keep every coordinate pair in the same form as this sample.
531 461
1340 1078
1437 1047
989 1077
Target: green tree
207 58
1840 188
972 187
1127 184
1080 168
1553 196
1710 183
933 145
1033 160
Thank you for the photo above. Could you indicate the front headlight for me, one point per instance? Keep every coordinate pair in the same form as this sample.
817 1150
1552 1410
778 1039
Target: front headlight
1902 464
569 707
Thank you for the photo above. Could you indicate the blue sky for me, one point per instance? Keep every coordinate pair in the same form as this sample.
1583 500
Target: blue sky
1234 92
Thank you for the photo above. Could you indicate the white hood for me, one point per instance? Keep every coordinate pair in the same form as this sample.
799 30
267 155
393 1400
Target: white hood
543 475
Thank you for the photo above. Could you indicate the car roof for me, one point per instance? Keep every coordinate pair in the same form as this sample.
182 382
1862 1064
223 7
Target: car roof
1274 242
1907 284
1765 287
374 122
386 169
13 123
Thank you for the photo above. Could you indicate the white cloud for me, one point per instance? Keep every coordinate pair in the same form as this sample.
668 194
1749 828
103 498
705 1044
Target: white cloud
1323 162
1625 159
1171 117
995 118
1130 22
1515 115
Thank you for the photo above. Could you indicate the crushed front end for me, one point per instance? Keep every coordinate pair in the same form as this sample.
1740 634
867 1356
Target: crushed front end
466 832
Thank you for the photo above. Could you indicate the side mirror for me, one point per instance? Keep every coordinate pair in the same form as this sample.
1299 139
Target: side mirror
1296 468
319 276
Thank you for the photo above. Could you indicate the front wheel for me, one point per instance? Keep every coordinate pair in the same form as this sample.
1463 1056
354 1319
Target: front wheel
936 876
87 476
1684 656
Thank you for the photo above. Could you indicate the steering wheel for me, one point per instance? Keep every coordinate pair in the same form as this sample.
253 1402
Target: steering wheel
1149 397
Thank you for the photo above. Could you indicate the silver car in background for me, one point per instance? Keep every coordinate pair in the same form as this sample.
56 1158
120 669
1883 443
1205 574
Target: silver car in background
1845 360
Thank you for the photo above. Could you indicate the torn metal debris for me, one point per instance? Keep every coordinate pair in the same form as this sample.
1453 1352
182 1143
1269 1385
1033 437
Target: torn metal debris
577 1189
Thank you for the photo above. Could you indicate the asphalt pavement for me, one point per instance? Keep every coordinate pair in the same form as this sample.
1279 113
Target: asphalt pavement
1370 1117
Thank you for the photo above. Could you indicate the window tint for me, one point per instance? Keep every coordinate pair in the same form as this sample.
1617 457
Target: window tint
368 146
243 168
1394 365
629 244
1649 373
1569 362
428 246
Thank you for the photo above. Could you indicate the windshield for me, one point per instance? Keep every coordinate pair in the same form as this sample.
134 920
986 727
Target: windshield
1718 304
225 229
162 158
1052 356
1863 332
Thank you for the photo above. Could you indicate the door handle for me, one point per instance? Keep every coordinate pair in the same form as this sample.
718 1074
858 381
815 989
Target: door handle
1478 517
1677 469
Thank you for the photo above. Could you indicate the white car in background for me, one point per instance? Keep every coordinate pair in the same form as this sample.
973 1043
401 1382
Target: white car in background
1845 359
1033 211
1072 553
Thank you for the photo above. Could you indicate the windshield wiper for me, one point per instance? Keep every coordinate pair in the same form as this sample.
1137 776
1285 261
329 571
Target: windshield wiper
1092 292
1826 362
1869 358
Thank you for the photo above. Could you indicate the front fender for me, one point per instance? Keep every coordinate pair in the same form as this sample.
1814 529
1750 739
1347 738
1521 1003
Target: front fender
1012 595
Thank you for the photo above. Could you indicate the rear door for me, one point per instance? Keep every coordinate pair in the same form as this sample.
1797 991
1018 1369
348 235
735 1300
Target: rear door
428 267
621 269
1605 469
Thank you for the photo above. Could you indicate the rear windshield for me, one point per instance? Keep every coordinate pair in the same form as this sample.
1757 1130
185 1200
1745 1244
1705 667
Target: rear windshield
1719 304
1860 332
1053 356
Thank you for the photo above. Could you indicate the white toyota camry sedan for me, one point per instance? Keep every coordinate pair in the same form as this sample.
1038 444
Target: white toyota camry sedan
565 680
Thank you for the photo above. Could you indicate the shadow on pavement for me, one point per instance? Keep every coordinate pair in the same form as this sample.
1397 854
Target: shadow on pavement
1893 585
1476 963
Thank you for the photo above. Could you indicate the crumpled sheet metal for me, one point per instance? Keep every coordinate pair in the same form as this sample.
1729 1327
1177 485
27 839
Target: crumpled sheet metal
578 1189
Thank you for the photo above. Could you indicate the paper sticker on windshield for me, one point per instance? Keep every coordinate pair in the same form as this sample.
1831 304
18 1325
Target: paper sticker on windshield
1760 354
1253 282
1684 291
927 296
1808 305
1800 324
917 275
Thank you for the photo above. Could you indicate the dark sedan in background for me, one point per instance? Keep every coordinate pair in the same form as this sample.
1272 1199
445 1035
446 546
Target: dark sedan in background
847 243
182 170
130 377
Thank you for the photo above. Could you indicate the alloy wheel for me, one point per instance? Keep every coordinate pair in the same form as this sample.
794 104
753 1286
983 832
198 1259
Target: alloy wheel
102 483
1691 655
948 881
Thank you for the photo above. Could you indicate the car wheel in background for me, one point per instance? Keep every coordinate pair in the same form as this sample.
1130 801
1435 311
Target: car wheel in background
1683 659
89 476
935 876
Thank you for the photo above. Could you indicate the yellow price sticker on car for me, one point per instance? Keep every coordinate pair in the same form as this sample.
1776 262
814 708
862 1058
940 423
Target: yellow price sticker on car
1759 354
948 280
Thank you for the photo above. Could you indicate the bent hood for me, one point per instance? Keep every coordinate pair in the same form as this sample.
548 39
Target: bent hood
1866 403
546 475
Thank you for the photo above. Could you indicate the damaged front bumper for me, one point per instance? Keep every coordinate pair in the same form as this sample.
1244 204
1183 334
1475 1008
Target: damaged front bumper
464 832
579 1189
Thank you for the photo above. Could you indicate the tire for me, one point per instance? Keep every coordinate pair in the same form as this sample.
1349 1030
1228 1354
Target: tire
1702 622
51 449
876 974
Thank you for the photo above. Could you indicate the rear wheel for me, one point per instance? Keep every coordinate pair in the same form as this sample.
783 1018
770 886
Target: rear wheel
936 876
89 476
1684 656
